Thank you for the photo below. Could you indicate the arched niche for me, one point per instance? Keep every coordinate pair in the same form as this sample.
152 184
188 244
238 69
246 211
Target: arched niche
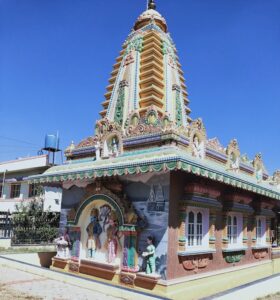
105 205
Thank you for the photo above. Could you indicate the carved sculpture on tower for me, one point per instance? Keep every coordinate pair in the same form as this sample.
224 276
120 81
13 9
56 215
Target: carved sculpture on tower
197 136
233 156
259 167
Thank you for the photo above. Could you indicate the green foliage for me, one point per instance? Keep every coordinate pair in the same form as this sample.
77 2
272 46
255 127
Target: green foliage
32 225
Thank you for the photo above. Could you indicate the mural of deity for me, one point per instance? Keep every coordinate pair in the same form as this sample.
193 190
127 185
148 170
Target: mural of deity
150 256
93 230
113 236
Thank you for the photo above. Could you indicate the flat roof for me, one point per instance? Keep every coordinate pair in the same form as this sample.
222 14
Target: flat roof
25 163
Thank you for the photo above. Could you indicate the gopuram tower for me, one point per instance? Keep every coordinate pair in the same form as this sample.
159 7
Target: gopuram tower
146 92
147 74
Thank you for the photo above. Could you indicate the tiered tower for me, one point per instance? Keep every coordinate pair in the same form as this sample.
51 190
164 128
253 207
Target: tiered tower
146 88
147 72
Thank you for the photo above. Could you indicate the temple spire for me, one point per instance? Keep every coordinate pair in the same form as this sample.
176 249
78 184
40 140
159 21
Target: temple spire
152 4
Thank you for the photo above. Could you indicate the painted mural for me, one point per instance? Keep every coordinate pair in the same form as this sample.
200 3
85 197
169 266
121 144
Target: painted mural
150 198
136 241
101 238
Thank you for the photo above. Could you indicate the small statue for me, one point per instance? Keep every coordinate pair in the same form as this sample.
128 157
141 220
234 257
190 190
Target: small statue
198 148
150 256
94 230
97 150
259 174
234 162
62 245
115 150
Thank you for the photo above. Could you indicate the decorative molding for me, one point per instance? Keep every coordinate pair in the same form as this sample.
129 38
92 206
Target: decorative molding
233 258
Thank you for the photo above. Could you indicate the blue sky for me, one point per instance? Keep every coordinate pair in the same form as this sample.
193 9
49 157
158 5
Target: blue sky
56 57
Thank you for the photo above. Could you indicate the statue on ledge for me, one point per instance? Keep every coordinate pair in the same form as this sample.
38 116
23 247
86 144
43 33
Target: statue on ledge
63 244
93 230
150 256
198 148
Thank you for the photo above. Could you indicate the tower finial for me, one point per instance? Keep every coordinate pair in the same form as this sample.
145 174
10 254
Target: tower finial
152 4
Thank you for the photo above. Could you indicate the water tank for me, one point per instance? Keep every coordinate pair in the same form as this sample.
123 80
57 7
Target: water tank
51 143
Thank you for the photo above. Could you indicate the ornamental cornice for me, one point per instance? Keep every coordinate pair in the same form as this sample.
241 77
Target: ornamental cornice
160 162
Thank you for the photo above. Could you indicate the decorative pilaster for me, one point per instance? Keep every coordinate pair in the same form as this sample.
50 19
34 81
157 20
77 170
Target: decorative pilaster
130 257
119 110
178 111
182 229
253 230
225 230
245 230
212 228
267 231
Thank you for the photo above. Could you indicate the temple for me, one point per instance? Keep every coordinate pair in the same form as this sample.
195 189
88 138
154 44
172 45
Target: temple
149 202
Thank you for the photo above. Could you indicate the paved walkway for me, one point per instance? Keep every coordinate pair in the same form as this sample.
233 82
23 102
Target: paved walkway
19 282
251 291
20 277
44 284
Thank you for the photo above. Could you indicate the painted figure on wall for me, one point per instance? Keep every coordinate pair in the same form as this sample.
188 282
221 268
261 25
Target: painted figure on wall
112 241
150 256
104 213
94 230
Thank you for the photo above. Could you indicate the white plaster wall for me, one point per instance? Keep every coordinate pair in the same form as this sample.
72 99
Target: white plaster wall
6 191
25 163
5 243
6 205
24 190
53 197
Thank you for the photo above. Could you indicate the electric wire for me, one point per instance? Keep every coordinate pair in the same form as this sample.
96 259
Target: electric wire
17 140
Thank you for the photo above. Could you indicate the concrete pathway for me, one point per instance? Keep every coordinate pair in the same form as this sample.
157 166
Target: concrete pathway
51 285
251 291
42 287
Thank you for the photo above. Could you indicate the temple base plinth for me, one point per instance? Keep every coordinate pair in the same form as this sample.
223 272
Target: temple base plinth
60 263
147 281
127 278
98 269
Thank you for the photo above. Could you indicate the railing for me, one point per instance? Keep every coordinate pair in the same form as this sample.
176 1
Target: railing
32 236
6 228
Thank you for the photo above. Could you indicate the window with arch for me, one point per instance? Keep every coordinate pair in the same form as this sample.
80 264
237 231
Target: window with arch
232 229
235 229
197 227
260 230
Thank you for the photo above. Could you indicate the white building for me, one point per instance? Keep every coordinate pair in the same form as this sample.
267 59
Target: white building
14 186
